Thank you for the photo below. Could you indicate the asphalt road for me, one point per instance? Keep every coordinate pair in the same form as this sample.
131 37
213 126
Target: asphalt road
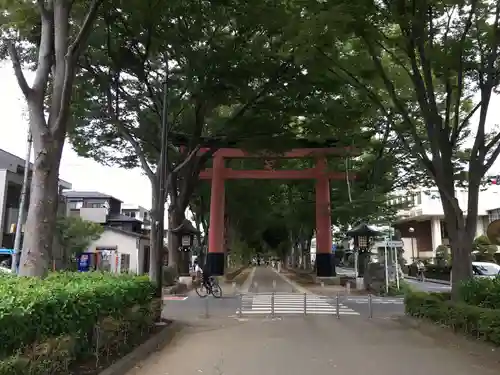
426 286
266 280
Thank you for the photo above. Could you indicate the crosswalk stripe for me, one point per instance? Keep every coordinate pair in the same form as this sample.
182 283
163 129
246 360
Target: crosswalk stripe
291 304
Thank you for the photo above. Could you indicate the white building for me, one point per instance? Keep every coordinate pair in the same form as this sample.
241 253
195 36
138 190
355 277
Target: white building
422 223
121 251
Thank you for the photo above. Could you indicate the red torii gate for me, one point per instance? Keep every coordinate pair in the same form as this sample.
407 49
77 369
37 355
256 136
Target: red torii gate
219 173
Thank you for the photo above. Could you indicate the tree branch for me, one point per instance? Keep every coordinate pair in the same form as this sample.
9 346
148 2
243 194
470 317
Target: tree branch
71 58
75 49
18 70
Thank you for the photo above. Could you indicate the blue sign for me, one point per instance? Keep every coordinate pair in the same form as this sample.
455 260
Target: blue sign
334 247
84 262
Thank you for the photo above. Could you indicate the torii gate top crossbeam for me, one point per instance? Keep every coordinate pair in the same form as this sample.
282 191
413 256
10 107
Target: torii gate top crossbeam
294 153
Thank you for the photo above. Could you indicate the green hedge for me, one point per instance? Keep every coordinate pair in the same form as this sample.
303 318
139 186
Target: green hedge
479 322
481 292
67 313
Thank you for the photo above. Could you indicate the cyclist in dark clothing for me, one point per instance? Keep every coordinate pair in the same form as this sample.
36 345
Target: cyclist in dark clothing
206 277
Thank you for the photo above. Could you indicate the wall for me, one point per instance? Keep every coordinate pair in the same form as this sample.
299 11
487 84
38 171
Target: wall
95 214
422 236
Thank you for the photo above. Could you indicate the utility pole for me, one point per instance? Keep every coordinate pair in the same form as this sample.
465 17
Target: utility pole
162 184
22 202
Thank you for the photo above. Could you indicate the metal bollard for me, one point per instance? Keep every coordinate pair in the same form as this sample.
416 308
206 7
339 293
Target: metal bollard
274 284
206 308
305 303
337 306
256 286
272 305
240 307
234 286
370 309
348 288
322 284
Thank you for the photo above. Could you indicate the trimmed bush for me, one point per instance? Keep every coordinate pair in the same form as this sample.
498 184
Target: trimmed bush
482 292
45 325
474 321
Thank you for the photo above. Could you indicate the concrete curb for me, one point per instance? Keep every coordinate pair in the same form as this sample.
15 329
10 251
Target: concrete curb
143 351
435 281
292 283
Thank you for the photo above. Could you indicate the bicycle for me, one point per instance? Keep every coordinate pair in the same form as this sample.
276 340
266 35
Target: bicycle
214 287
421 275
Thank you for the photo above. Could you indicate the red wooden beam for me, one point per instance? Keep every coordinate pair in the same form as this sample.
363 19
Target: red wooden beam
294 153
304 174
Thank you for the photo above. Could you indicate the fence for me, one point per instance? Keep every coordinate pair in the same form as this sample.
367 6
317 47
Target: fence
279 304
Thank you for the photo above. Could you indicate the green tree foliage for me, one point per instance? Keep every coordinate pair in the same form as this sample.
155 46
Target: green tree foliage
430 67
229 75
74 235
48 37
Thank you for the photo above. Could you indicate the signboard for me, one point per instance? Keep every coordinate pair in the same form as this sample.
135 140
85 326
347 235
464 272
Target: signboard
389 244
334 247
186 240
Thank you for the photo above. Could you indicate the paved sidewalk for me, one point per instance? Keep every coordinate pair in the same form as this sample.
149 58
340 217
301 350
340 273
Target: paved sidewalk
310 346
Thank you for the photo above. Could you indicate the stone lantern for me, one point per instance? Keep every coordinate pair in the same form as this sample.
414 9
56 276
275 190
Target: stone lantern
363 236
186 235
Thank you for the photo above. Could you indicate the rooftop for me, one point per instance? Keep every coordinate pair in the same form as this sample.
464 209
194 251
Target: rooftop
87 194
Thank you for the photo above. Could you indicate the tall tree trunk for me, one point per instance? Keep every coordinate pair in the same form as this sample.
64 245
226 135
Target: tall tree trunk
460 240
156 239
55 72
42 213
174 241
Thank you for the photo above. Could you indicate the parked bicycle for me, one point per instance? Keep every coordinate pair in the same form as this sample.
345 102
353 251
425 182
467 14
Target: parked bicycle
212 288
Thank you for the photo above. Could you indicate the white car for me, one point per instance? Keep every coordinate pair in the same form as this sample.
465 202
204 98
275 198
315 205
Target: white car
5 270
485 269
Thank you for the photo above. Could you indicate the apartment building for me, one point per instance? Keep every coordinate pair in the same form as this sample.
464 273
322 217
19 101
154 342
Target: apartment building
139 213
11 180
421 222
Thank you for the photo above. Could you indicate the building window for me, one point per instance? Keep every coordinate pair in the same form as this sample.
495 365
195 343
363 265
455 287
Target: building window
95 205
75 205
132 214
125 263
493 215
145 215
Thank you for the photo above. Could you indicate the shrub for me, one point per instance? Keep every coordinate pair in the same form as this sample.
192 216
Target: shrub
482 292
404 288
482 323
67 306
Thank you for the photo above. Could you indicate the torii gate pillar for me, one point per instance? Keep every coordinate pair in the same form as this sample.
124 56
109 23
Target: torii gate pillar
215 255
325 266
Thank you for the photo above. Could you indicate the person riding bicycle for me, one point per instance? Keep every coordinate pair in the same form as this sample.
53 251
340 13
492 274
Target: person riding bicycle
204 274
420 268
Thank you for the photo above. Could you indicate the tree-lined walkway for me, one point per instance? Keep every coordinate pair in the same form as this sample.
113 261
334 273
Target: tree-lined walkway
315 346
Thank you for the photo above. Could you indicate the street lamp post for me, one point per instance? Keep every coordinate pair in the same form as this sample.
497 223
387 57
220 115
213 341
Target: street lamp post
412 230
